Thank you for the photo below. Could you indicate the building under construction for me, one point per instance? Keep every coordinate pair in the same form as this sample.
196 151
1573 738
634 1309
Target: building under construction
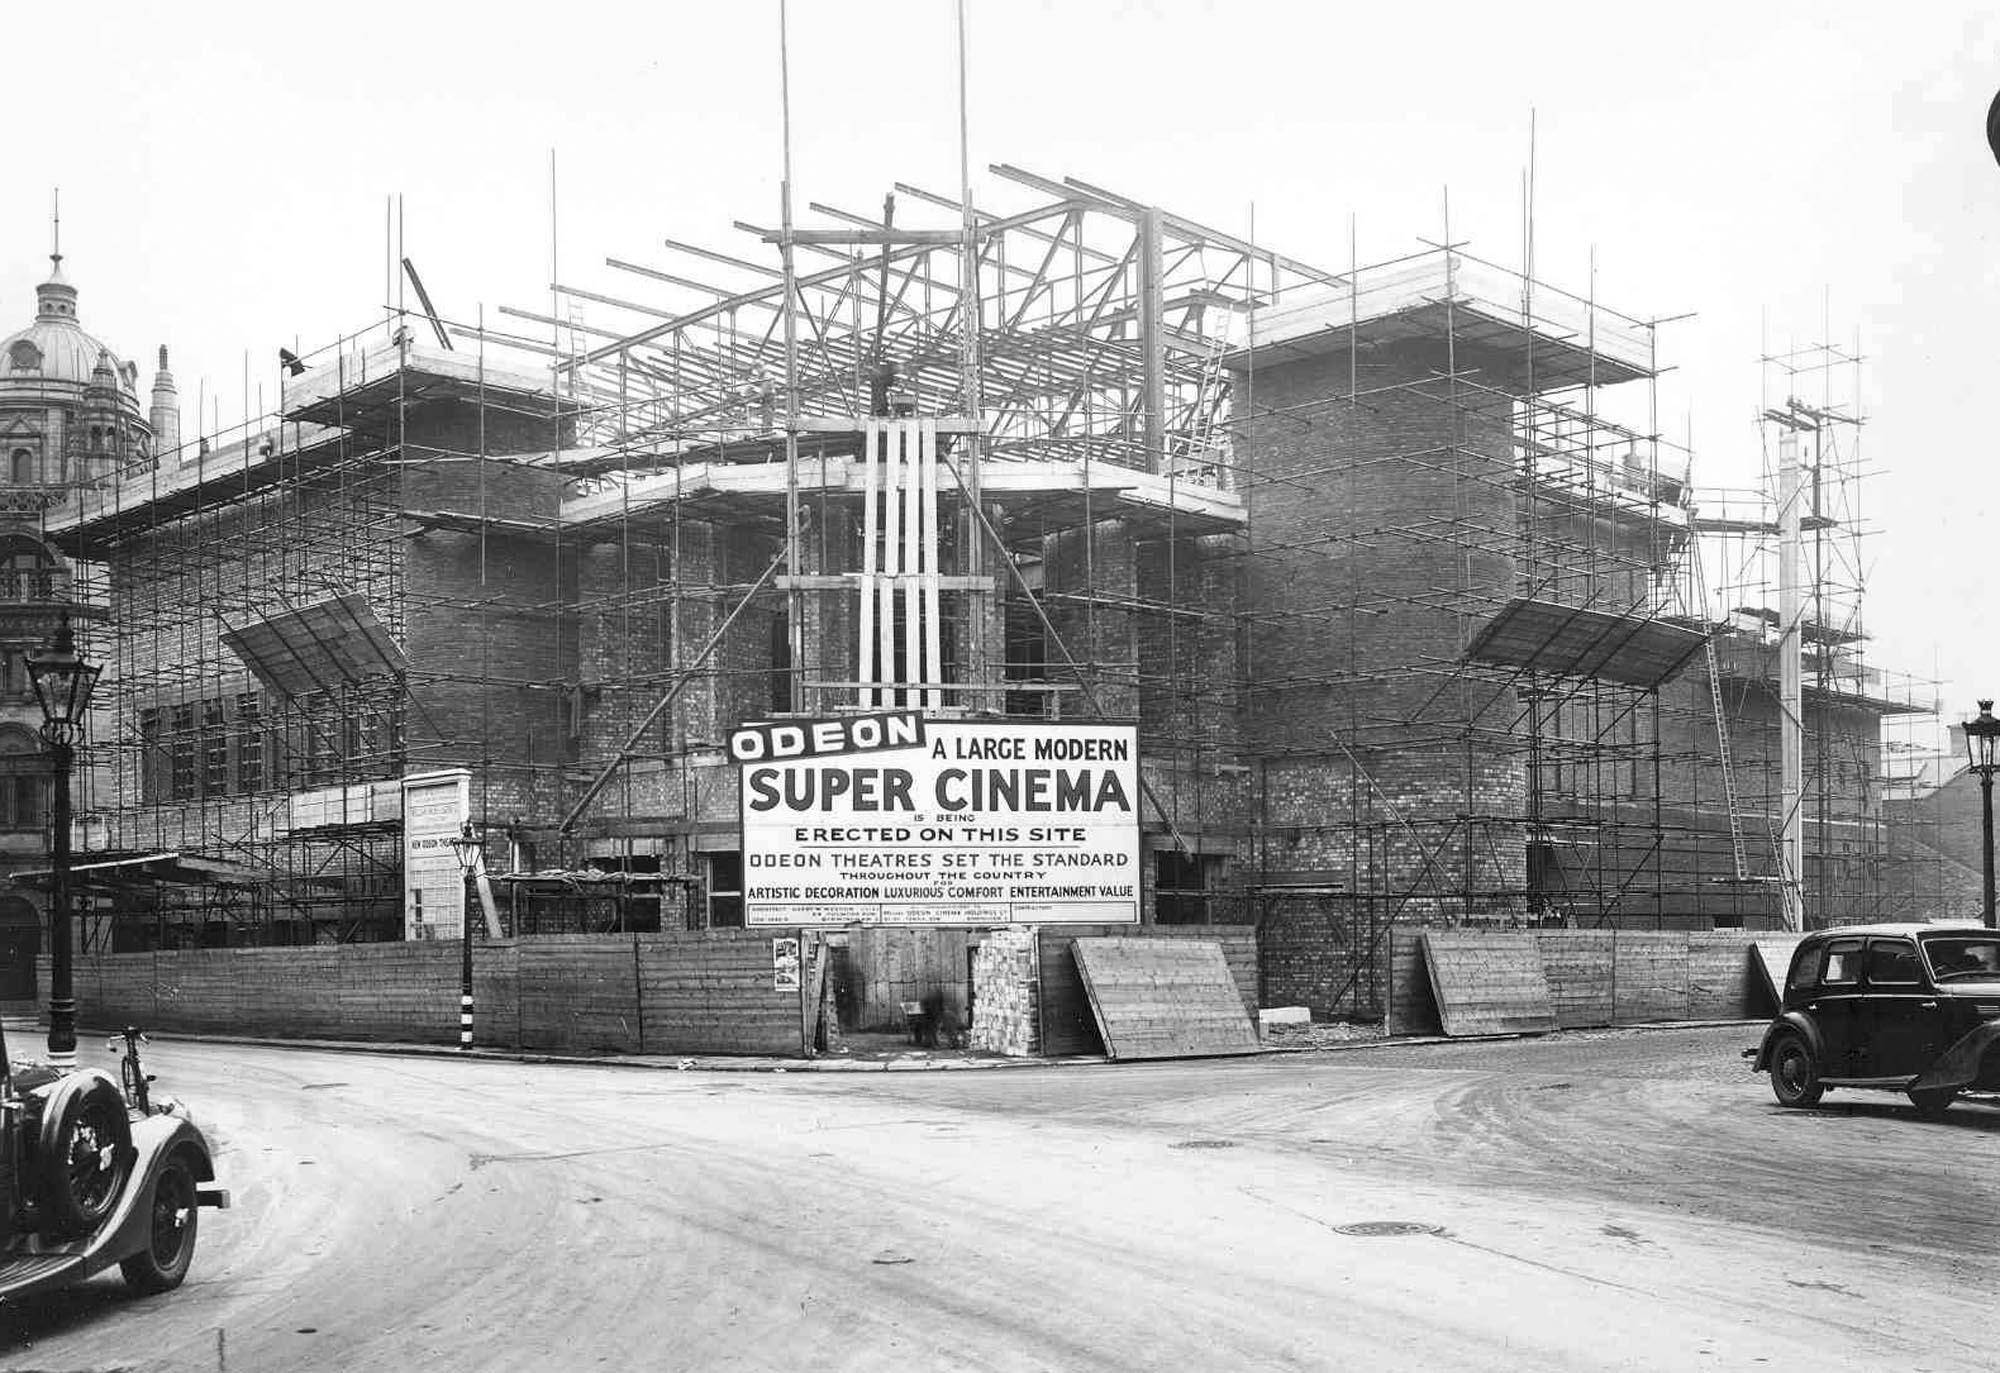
1417 622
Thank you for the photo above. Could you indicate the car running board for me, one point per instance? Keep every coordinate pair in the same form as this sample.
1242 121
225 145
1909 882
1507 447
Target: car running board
208 1194
28 1272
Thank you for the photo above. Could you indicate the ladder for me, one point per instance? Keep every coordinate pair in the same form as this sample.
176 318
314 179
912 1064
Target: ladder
1728 767
1721 723
1196 464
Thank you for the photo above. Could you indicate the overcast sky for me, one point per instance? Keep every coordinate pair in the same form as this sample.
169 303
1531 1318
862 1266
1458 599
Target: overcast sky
1781 172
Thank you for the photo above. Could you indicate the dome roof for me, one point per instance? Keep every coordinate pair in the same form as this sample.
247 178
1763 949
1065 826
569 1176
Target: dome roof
55 347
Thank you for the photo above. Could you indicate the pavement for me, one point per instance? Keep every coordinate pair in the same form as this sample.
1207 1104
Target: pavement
25 1036
1602 1200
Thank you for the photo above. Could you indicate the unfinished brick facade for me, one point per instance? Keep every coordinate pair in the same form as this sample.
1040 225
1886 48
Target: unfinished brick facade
1388 517
1281 556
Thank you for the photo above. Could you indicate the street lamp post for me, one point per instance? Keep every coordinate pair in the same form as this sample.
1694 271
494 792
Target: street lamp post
1982 736
62 682
465 848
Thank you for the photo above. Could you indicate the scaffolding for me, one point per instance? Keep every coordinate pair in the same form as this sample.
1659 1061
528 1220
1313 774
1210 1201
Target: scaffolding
1864 733
1390 563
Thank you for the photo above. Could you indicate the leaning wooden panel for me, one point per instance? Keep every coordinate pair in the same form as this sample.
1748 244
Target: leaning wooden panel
1164 998
1489 984
1772 957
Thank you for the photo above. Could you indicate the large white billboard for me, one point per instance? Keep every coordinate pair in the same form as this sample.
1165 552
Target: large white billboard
893 819
435 804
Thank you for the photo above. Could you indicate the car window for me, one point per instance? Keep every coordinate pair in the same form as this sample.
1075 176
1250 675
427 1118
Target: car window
1843 964
1970 956
1892 961
1805 969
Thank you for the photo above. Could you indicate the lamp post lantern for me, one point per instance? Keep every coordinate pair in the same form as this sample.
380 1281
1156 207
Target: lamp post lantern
1982 742
465 848
62 682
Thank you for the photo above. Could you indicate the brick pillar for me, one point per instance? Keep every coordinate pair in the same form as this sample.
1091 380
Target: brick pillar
1101 637
1007 993
1390 523
830 626
700 610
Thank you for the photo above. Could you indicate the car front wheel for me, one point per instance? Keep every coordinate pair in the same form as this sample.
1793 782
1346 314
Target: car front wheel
161 1265
1794 1074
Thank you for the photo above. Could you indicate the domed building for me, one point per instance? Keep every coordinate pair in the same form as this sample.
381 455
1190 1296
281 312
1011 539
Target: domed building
70 416
70 410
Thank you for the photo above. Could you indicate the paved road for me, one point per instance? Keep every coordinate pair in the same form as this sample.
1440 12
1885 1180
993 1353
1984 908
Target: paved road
1630 1201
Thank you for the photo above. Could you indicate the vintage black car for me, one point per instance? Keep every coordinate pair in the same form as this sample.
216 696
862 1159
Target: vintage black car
95 1172
1899 1008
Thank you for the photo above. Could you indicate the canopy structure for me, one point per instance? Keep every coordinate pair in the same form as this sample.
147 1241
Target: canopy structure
116 872
308 648
1572 641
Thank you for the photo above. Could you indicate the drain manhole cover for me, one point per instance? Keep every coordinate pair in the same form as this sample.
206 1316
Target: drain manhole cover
1389 1227
1204 1144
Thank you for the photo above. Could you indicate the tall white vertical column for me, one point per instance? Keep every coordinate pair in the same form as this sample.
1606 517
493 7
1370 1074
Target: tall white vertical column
892 555
865 657
933 616
1791 702
902 619
913 553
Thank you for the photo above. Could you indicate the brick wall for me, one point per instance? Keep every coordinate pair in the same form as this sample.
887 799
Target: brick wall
313 538
1006 993
1936 852
1385 528
1323 951
1188 661
1593 548
656 606
489 656
1844 881
1101 561
1382 516
1948 820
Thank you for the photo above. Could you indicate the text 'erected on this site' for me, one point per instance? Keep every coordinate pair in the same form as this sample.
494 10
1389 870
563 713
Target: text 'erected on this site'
893 819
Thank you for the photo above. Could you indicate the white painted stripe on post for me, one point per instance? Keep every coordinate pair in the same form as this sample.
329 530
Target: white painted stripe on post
870 457
913 562
932 616
892 565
